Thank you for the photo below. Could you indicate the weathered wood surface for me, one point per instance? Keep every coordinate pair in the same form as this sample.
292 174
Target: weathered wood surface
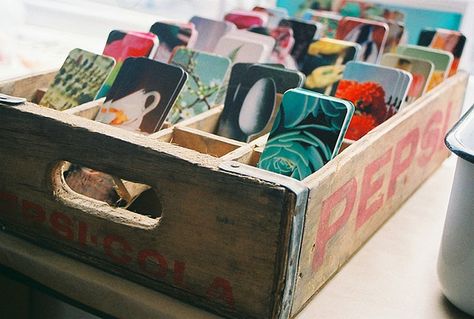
88 285
87 110
204 142
221 241
360 189
27 86
207 121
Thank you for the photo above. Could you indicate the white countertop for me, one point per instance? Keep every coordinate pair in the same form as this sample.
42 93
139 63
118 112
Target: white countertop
394 274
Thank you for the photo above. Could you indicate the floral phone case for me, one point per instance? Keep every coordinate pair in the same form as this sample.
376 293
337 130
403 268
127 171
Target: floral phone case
376 92
207 73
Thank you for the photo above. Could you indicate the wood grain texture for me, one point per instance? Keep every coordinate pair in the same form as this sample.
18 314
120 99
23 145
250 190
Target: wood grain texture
83 283
249 156
87 110
26 86
207 121
361 188
204 142
220 242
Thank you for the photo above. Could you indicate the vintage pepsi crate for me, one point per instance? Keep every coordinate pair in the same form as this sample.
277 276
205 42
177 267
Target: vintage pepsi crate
218 232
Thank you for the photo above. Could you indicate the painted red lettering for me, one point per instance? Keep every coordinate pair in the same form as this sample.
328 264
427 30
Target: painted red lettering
325 232
178 273
82 233
221 289
445 125
112 241
8 203
62 225
410 142
149 257
370 188
430 139
33 212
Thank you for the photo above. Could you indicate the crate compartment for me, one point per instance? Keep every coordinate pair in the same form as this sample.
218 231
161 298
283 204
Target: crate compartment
197 140
250 155
209 121
206 122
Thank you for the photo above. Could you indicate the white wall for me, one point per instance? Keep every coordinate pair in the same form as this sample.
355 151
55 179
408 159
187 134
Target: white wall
41 32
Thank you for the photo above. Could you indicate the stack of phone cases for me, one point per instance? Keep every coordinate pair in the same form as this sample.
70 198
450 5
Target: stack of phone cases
295 87
307 133
378 92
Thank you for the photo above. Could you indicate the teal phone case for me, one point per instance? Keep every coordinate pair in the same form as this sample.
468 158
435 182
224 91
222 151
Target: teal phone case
307 133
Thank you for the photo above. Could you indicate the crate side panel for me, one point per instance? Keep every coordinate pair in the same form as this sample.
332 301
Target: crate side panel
356 193
219 241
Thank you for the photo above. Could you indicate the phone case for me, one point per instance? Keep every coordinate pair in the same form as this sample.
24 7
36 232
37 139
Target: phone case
209 32
307 133
121 45
284 42
275 15
420 69
304 32
324 63
78 80
247 19
207 73
251 102
371 35
172 35
266 40
328 20
242 50
375 91
142 95
447 40
442 61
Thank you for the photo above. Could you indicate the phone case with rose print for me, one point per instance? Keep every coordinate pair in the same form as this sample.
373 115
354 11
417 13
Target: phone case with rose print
207 73
307 133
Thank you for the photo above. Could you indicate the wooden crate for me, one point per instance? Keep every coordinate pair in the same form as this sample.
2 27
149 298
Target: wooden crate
224 235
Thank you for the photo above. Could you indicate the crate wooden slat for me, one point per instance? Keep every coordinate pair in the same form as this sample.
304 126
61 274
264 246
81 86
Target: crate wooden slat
28 86
230 238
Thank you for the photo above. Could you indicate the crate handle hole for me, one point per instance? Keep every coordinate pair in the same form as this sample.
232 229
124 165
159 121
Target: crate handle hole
118 193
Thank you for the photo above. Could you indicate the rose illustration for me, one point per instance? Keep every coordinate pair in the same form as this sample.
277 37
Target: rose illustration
297 147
